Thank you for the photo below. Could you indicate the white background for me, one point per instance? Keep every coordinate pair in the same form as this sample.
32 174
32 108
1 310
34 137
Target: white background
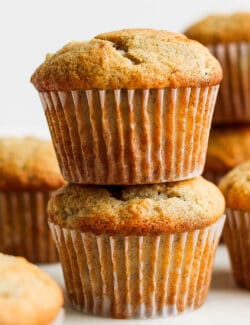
30 29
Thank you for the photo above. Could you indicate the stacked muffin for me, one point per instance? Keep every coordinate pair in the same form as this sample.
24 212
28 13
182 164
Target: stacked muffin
228 38
129 113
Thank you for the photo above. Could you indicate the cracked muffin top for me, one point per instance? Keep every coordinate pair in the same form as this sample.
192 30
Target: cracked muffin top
221 29
130 59
139 210
28 163
236 187
227 148
28 295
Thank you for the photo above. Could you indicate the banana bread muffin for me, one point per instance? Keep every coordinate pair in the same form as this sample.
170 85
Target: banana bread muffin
228 38
236 189
28 174
138 251
227 147
130 107
28 296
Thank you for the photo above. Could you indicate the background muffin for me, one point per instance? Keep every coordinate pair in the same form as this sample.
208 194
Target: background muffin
138 251
28 174
27 295
236 189
129 107
228 38
227 148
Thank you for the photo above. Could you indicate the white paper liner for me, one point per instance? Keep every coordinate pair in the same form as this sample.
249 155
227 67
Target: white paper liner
233 104
24 227
137 276
236 235
130 136
213 177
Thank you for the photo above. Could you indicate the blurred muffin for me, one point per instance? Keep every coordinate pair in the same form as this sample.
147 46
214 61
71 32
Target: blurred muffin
130 107
227 147
137 251
28 174
28 296
228 38
236 189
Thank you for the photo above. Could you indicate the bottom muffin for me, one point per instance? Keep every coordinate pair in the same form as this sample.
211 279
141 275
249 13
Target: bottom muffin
138 251
236 188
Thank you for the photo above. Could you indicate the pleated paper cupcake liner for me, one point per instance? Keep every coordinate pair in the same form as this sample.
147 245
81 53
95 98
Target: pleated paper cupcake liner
130 136
236 235
137 276
233 104
213 177
24 229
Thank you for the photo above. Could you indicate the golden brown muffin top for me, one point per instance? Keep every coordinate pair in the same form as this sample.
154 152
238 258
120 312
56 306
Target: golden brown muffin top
221 29
28 295
227 148
236 187
131 59
139 210
28 163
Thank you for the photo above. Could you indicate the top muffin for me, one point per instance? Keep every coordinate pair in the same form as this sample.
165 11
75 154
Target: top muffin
131 59
221 29
28 164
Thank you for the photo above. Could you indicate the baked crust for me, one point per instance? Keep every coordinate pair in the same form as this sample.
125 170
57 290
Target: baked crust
221 29
137 210
28 296
236 187
28 164
227 148
131 59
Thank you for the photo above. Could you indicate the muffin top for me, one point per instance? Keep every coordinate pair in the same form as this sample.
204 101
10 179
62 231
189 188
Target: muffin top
221 29
28 163
140 210
236 187
227 148
28 296
131 59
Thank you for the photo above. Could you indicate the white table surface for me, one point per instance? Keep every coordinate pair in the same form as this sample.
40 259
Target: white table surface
226 304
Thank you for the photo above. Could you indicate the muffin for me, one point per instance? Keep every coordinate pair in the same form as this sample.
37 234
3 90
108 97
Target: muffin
228 38
129 107
28 174
28 295
227 147
236 189
137 251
